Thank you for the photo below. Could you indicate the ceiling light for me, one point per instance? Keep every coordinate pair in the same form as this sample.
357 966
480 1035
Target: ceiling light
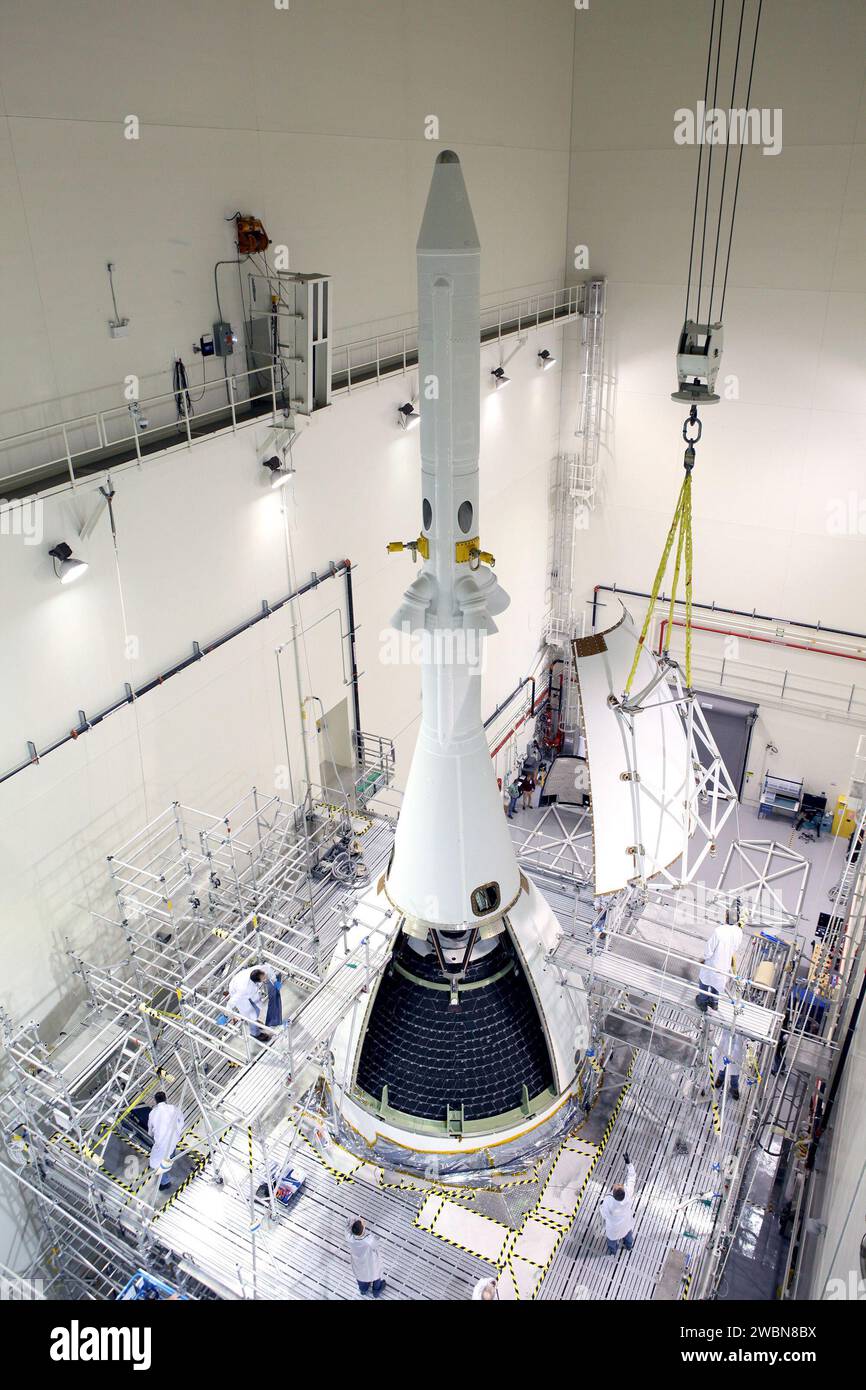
280 475
408 416
66 567
499 377
545 359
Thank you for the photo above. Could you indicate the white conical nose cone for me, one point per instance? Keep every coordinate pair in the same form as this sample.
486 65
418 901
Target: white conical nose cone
448 223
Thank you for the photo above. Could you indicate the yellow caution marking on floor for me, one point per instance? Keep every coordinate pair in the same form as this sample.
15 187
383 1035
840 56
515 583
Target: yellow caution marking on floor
714 1105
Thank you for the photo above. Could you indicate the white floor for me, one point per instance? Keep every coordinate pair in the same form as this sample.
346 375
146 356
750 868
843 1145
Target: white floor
826 857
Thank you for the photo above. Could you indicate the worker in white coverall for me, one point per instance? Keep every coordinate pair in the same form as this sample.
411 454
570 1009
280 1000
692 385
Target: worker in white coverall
718 964
366 1258
165 1126
246 998
727 1056
617 1214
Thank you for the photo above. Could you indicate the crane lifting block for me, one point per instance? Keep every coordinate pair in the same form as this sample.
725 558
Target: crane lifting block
699 356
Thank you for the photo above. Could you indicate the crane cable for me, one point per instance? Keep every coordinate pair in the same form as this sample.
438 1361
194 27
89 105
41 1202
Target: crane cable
681 531
681 526
699 244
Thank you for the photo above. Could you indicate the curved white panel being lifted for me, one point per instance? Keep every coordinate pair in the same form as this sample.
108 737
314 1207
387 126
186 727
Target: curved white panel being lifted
656 776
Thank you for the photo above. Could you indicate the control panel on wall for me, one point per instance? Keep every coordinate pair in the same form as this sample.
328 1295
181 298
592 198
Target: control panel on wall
224 339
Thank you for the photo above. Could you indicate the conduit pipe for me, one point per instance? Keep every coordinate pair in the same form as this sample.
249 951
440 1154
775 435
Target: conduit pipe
86 723
757 637
729 612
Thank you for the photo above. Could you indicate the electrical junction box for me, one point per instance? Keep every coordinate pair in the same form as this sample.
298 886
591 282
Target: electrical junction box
224 339
205 345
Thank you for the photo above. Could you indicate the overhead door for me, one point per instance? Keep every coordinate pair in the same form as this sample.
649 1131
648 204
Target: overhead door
731 722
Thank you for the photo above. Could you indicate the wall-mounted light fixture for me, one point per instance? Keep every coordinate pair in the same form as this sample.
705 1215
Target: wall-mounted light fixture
407 416
499 377
66 567
545 359
118 327
280 473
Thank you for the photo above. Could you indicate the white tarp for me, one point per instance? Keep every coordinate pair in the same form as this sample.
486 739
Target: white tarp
649 811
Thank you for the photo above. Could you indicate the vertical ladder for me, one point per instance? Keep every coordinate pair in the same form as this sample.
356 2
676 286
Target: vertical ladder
573 493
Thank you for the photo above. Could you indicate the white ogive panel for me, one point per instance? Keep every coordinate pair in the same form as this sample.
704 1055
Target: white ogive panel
648 812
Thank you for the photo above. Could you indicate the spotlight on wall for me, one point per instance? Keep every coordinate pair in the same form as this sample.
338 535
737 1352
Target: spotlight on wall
407 416
66 567
280 473
499 377
545 359
139 420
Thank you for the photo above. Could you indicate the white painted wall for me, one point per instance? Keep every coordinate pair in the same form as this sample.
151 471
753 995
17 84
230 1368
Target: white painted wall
201 541
311 117
778 465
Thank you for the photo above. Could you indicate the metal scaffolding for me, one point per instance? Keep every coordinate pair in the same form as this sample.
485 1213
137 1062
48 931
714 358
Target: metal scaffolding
200 896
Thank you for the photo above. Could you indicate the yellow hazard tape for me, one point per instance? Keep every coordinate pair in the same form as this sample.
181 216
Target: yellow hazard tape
717 1119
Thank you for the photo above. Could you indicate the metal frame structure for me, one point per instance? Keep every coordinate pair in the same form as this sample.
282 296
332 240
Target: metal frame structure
200 894
754 872
707 801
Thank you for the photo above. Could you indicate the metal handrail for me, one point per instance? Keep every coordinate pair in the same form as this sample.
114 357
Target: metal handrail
365 361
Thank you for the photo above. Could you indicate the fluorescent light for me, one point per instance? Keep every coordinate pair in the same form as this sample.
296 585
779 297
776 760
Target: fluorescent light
66 567
499 377
545 359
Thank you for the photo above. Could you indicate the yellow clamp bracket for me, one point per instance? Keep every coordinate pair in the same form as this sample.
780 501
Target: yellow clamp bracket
419 547
469 553
463 550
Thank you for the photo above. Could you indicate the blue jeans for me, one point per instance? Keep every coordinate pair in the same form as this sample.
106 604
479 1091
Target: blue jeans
512 805
377 1285
613 1245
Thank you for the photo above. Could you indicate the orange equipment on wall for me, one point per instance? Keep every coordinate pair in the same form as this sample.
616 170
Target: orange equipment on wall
252 236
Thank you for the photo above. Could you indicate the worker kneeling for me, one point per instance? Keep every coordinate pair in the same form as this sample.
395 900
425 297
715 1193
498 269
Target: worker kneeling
617 1214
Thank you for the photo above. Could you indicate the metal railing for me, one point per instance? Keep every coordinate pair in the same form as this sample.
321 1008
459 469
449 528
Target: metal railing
62 453
59 453
844 701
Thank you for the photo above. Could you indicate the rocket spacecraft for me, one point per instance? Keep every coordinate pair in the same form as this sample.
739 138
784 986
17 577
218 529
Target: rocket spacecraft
463 1058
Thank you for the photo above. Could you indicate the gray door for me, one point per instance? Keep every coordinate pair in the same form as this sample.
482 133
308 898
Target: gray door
731 722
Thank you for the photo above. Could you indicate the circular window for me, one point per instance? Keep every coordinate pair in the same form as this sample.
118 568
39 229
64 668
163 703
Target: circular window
427 514
464 517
